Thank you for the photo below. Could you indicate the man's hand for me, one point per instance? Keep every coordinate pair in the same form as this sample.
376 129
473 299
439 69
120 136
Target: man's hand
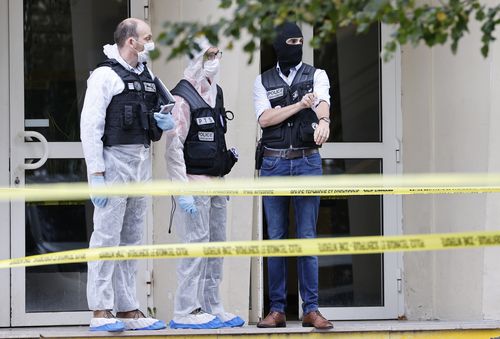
164 121
187 204
97 180
308 100
322 132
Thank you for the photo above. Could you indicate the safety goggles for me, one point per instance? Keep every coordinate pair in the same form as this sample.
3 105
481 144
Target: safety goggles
213 55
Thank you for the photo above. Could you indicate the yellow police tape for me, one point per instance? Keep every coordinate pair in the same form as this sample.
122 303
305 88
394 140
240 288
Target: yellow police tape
336 185
268 248
328 185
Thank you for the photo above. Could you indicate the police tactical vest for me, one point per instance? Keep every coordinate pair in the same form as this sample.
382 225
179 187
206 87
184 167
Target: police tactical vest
129 118
205 150
298 130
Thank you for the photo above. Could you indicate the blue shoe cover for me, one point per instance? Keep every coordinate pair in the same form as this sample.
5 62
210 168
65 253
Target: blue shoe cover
159 325
215 323
114 327
235 322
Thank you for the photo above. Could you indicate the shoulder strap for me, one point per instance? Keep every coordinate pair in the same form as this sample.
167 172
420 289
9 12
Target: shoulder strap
271 78
219 101
305 73
185 90
146 72
115 66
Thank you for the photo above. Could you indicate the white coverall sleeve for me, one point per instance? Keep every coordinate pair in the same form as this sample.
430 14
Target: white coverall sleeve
102 85
174 154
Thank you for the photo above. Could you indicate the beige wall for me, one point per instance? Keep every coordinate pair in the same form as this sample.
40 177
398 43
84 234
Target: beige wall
237 82
491 273
450 110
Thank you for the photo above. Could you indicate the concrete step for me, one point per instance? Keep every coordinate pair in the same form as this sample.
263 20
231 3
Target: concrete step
343 329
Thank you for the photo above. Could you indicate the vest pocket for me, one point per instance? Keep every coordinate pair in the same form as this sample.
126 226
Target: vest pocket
200 154
306 131
273 134
128 117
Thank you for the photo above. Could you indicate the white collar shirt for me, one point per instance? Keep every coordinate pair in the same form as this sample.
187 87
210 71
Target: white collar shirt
321 87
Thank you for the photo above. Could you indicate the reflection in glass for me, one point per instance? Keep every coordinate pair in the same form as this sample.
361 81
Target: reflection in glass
352 63
57 226
351 280
62 43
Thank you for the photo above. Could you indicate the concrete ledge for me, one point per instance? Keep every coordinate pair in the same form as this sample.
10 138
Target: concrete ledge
343 329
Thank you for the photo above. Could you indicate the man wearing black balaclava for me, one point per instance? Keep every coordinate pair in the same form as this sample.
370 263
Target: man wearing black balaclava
292 104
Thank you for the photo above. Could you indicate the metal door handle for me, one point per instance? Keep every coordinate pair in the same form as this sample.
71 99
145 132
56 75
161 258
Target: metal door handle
45 144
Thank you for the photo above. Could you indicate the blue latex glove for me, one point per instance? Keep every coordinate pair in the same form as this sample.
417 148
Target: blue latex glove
96 181
164 121
187 204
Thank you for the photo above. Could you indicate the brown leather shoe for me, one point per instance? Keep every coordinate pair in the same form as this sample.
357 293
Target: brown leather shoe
273 319
315 319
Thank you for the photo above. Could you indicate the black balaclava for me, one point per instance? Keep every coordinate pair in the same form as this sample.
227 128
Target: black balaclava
288 55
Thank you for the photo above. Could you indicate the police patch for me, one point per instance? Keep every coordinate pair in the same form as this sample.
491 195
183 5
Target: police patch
206 136
275 93
137 86
131 86
204 121
150 87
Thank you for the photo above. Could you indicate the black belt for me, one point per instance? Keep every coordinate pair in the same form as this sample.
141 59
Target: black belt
289 153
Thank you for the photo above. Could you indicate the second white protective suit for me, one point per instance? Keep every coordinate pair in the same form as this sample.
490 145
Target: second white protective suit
197 300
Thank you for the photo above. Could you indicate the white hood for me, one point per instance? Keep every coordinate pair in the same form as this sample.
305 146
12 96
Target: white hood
111 51
194 73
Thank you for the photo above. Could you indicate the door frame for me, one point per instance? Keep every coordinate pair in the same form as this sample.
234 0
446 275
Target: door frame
389 150
21 150
4 165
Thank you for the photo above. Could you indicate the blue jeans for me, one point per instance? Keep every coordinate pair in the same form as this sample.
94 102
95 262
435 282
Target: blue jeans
306 209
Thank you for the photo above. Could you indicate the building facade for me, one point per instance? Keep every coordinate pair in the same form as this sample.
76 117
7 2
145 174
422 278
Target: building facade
424 111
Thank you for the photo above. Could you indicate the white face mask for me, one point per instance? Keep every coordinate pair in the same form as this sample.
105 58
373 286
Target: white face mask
211 68
149 46
143 55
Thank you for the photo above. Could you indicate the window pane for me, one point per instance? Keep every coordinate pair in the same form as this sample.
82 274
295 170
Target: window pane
352 63
62 43
54 226
351 280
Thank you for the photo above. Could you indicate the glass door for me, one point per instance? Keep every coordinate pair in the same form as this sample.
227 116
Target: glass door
53 47
364 139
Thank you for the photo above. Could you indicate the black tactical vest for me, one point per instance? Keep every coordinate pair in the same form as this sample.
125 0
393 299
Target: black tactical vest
129 116
205 150
298 130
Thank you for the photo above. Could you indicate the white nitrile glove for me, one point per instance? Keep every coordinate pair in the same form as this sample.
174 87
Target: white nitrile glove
187 204
97 181
164 121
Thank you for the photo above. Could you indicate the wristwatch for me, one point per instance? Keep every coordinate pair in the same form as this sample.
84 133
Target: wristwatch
328 121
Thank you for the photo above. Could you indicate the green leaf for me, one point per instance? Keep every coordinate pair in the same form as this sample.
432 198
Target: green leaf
414 21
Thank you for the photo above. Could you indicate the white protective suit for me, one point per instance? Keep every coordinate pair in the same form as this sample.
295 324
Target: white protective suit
112 284
198 279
